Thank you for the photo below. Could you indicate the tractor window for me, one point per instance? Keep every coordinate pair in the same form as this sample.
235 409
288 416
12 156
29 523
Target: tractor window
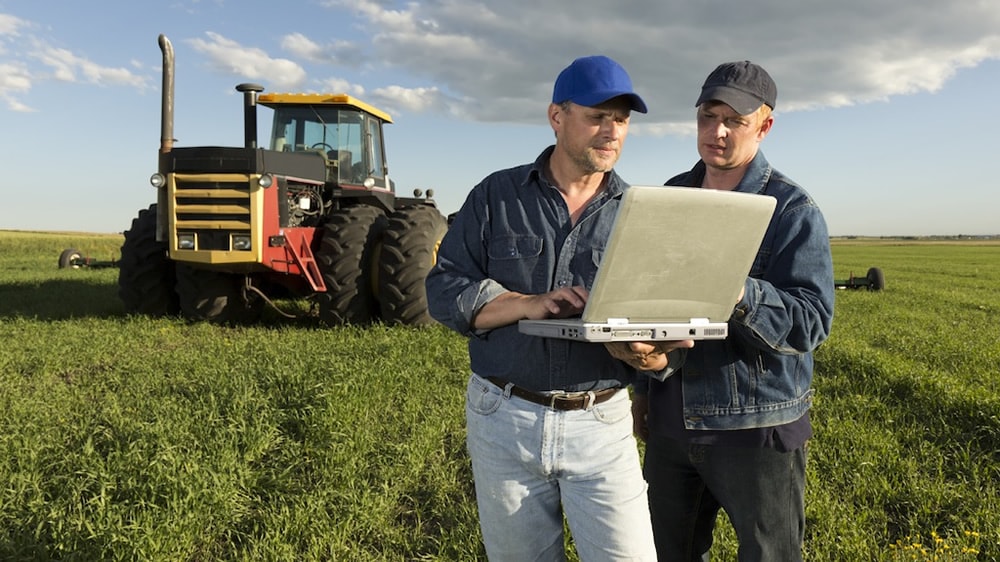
336 134
377 168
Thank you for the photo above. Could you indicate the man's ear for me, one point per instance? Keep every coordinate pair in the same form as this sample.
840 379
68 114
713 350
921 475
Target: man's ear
765 128
555 114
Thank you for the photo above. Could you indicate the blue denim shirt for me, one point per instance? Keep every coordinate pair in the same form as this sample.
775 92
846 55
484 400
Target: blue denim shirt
761 375
514 233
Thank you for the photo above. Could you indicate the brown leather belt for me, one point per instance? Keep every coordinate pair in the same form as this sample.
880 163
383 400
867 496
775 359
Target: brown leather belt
558 401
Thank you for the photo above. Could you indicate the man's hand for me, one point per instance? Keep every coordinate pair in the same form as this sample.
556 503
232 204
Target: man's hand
510 307
646 356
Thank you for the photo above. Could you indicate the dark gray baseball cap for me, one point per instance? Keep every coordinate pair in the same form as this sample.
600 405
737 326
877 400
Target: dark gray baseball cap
742 85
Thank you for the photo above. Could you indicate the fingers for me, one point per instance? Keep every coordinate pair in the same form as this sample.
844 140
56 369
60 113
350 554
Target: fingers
646 356
565 302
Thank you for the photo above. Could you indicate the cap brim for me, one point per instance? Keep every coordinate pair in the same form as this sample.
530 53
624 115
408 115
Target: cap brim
742 102
597 98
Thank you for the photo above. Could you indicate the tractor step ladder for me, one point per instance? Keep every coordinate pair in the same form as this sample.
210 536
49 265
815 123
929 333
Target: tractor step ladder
298 245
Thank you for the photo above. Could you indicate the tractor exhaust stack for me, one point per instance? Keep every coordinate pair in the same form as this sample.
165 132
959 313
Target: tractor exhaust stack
250 92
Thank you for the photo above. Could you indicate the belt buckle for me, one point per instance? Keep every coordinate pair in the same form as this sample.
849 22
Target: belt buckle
552 401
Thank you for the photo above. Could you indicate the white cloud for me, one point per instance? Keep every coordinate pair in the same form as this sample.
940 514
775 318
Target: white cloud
491 60
230 57
343 53
14 79
17 76
339 86
10 24
66 66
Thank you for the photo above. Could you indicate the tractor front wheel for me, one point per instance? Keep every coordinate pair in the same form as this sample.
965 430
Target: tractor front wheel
409 251
217 297
146 275
346 259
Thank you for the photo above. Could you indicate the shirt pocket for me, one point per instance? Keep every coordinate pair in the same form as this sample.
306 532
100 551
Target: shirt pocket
515 262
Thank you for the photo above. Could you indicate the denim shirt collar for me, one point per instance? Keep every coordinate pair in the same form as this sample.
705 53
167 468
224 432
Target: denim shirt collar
754 180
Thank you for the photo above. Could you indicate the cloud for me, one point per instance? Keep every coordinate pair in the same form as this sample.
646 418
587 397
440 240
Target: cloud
10 24
490 60
14 78
341 86
66 66
18 77
341 53
229 57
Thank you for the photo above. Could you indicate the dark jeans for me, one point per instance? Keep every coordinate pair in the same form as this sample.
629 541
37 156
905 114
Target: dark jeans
761 489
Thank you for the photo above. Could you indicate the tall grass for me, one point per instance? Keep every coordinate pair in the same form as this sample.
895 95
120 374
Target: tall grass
130 438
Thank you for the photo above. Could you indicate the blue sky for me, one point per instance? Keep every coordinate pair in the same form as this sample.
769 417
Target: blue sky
887 109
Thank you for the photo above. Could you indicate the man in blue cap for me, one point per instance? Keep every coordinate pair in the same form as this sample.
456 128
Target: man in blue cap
728 428
549 427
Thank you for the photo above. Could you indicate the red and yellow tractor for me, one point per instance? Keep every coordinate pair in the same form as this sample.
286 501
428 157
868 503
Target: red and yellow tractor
314 215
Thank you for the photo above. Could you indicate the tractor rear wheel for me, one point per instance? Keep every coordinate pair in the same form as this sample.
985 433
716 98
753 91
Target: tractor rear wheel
217 297
409 251
876 279
146 276
346 260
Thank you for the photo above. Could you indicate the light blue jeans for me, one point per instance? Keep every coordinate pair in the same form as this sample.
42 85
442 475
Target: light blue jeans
533 464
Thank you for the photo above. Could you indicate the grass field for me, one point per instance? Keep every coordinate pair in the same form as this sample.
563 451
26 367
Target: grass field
126 438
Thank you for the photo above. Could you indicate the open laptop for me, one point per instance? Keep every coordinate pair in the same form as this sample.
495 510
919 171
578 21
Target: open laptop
673 268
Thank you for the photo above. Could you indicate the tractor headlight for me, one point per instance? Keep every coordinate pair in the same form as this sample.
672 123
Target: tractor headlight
185 241
157 180
265 181
241 242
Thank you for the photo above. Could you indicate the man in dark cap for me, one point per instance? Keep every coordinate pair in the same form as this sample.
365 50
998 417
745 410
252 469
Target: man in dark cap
728 429
549 427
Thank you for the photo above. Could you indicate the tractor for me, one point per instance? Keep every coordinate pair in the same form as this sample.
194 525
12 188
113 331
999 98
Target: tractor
312 216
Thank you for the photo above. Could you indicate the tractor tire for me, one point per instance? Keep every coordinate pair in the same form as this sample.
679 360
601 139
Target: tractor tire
408 252
346 260
68 257
207 295
146 275
876 279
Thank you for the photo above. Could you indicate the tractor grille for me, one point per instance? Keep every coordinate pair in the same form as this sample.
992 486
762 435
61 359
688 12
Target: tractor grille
213 209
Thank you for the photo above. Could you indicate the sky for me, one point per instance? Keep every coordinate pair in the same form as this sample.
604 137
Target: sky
887 110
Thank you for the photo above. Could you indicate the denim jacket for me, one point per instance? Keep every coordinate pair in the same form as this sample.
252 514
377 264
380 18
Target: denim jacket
761 375
514 233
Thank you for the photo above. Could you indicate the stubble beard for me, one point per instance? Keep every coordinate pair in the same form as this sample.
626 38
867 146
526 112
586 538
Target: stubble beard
591 163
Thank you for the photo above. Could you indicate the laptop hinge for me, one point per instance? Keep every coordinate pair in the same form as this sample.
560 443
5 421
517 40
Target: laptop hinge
617 321
700 321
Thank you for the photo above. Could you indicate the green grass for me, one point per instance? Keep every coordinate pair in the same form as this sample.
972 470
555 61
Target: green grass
130 438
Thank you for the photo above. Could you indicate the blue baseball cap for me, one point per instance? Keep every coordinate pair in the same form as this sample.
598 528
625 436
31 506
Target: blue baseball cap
593 80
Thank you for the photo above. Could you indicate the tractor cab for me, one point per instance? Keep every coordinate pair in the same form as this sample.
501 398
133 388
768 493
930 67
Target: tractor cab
345 132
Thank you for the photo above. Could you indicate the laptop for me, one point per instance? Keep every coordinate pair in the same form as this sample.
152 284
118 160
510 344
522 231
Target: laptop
673 268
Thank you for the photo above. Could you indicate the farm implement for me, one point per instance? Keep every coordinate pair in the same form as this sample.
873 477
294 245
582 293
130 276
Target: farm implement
874 280
72 258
